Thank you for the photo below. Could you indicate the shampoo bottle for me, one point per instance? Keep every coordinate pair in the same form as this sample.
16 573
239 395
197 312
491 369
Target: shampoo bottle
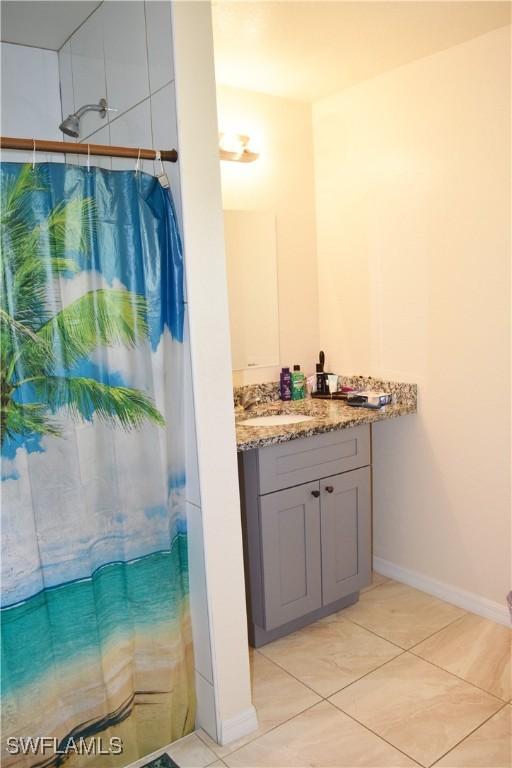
285 382
298 384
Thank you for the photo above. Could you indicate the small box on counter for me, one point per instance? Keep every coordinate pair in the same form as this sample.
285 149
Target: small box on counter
369 399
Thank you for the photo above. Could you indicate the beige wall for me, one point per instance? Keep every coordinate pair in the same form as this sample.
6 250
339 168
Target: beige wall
413 219
281 181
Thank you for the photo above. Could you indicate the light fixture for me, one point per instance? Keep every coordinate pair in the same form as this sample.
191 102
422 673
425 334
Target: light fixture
235 146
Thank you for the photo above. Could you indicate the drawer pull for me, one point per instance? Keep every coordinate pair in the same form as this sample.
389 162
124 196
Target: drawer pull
329 488
316 494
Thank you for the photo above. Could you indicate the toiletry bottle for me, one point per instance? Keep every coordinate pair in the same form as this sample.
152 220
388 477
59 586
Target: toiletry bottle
285 381
320 379
332 382
298 384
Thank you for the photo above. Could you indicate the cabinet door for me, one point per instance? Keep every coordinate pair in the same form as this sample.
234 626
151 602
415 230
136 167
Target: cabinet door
290 547
346 533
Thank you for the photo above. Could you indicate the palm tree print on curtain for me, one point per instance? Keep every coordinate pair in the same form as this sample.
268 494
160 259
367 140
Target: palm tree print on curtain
95 618
36 344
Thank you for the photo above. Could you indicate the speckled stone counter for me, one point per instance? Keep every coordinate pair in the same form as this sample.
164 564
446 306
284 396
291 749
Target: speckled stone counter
329 415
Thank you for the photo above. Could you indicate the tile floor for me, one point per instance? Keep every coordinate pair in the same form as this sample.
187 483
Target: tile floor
399 679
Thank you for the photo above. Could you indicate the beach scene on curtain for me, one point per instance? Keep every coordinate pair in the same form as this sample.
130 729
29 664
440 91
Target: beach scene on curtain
96 637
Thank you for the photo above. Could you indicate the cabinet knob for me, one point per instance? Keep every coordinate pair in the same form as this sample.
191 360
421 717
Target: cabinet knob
316 494
329 488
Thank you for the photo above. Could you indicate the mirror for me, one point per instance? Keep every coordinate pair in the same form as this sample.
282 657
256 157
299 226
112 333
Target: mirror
251 259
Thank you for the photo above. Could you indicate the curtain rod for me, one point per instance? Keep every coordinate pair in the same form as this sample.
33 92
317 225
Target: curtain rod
69 148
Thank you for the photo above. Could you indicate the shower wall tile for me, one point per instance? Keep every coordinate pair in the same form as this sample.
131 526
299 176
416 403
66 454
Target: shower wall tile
197 581
30 89
193 493
132 129
88 67
118 52
67 97
159 39
165 136
15 156
30 85
125 53
206 717
98 137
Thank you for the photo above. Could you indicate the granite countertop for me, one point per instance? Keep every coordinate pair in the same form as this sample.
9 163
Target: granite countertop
329 416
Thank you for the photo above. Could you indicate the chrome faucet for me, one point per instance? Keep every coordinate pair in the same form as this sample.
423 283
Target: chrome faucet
247 401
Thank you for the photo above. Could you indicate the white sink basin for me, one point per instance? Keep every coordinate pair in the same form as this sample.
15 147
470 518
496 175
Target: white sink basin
276 420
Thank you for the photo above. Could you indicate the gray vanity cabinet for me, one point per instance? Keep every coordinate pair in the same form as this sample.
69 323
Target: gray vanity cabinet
306 515
290 553
345 533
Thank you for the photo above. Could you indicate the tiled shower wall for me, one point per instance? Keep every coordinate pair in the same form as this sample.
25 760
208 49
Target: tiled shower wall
123 52
29 99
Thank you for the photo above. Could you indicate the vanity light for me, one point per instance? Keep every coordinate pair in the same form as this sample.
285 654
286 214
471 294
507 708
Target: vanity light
234 146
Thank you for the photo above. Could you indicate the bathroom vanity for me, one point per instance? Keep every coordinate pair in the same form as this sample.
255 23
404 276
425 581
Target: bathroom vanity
306 504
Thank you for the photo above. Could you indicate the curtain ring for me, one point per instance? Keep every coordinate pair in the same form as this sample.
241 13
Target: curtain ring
158 157
138 162
34 155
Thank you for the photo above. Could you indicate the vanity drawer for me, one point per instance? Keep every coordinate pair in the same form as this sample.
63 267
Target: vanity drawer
311 458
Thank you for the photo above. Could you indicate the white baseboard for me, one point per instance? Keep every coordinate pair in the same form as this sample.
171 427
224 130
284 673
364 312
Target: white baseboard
239 725
469 601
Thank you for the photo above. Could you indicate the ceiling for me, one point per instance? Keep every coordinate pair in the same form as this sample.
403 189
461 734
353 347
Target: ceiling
297 49
42 23
308 50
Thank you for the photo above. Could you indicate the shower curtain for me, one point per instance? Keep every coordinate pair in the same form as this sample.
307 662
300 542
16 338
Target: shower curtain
97 665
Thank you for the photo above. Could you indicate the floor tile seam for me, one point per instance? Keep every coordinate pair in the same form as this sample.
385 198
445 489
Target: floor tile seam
203 740
372 631
438 631
363 725
398 655
297 679
378 735
503 703
366 674
366 728
428 637
273 728
458 677
468 735
343 687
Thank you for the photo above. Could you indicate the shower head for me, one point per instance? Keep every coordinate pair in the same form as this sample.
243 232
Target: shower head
71 125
